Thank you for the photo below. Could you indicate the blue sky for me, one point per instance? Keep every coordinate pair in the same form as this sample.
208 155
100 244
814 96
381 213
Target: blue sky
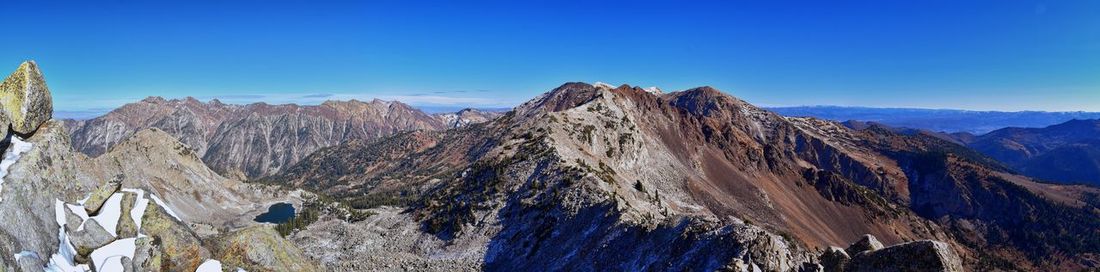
984 55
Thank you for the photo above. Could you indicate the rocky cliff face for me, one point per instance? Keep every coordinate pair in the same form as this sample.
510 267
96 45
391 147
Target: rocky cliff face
253 140
134 208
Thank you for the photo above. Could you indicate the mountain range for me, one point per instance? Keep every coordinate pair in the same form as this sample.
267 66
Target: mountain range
587 177
255 140
627 170
1064 153
938 120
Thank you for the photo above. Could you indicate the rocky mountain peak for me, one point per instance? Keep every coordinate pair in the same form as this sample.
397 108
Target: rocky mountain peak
25 99
154 100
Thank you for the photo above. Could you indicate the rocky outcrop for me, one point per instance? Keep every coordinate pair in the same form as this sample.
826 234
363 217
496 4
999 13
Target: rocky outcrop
260 248
834 259
86 240
25 100
913 256
867 254
65 212
866 243
173 247
94 202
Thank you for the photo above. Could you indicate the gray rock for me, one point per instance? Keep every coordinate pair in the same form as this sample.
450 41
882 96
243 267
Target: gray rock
834 259
914 256
811 267
25 99
146 255
260 248
126 225
72 221
91 237
30 263
100 196
127 264
177 248
865 243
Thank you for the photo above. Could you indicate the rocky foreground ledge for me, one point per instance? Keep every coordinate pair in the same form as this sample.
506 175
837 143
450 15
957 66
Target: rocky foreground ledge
868 254
136 208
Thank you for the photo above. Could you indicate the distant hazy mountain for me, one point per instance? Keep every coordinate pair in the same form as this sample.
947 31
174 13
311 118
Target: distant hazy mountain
975 122
1068 152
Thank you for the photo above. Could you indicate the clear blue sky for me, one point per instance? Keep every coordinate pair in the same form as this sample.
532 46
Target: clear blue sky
987 55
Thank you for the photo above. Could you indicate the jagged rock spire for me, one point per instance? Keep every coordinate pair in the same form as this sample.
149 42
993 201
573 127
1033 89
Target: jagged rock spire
25 100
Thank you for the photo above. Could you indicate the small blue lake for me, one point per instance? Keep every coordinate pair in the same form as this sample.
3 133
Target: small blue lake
278 213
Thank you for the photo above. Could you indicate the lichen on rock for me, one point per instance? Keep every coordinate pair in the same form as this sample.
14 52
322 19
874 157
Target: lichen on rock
25 99
260 248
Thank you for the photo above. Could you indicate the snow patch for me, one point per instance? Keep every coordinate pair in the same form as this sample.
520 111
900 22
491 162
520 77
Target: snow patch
25 253
603 85
654 90
109 257
63 260
210 266
11 155
109 214
139 207
165 206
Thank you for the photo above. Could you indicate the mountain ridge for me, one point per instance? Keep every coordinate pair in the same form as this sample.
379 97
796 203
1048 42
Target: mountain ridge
224 134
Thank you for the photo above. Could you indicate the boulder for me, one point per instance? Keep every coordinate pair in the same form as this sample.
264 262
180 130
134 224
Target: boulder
25 99
147 256
260 248
72 221
29 263
126 225
834 259
923 255
85 241
100 196
173 247
865 243
127 264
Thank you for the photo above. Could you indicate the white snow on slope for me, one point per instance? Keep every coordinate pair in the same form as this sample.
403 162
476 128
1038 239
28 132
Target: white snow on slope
62 261
110 213
109 257
139 207
603 85
165 206
15 150
210 266
25 253
654 90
